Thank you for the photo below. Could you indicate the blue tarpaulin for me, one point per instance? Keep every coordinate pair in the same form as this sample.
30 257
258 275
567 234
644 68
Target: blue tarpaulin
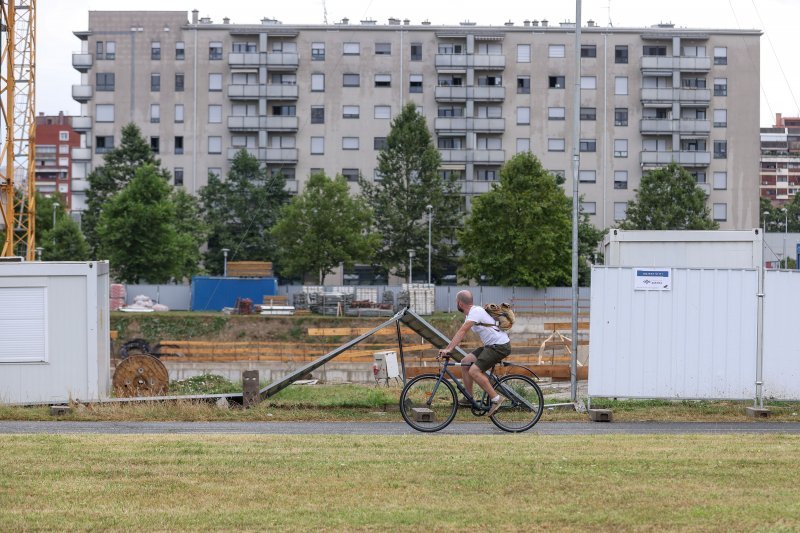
213 293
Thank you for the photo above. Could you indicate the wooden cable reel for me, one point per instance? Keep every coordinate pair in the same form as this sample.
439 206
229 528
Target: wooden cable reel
140 375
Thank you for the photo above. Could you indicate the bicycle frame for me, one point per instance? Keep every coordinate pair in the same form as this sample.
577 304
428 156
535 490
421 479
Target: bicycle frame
505 391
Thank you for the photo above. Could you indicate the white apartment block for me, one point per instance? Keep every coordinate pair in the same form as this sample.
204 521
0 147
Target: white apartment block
308 97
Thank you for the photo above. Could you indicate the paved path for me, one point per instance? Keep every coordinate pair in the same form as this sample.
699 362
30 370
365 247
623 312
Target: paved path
390 428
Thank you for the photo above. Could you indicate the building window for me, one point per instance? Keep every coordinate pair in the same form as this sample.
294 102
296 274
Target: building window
63 149
350 143
523 115
155 113
588 50
587 176
383 80
107 50
178 144
214 171
523 145
350 174
351 111
621 85
180 50
351 49
556 113
620 210
720 55
620 147
179 82
415 83
383 111
588 113
317 145
317 51
317 114
215 114
63 135
555 145
720 149
155 145
523 53
588 82
720 86
720 118
379 143
104 81
588 145
103 144
699 177
523 85
383 49
177 174
215 145
178 113
720 212
416 51
244 48
621 54
215 82
155 82
590 208
155 50
104 113
215 50
317 82
720 181
654 50
351 80
556 50
284 111
556 82
620 179
621 116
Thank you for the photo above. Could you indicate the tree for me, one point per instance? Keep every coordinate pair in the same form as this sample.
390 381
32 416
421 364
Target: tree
139 231
669 199
191 231
322 227
409 166
120 165
240 211
519 233
65 242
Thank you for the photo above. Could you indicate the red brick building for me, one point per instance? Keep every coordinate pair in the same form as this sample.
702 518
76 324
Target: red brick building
780 160
55 139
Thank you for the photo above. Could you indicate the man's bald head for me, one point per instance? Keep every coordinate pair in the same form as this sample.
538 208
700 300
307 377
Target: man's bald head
465 297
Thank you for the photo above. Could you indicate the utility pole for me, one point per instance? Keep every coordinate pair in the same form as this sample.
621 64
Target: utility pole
429 207
576 162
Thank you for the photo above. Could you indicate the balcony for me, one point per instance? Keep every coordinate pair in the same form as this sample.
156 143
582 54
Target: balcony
686 158
451 61
682 95
668 126
451 93
480 125
282 60
684 64
244 59
246 92
82 93
291 186
489 156
240 123
487 124
82 123
450 124
454 156
476 187
82 62
488 61
487 93
81 154
282 92
233 151
281 155
281 123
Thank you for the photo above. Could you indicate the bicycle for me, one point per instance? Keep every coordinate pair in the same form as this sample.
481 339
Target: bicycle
429 402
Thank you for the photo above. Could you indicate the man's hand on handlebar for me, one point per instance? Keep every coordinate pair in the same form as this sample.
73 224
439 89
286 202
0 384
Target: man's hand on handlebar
443 354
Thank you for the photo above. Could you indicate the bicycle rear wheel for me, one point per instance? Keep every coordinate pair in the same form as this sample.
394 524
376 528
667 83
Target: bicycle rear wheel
522 406
428 404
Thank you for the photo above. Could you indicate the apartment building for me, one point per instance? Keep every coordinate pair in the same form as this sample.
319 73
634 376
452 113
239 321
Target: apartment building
780 160
55 141
307 97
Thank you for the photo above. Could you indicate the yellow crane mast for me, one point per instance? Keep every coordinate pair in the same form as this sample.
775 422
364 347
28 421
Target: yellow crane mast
18 127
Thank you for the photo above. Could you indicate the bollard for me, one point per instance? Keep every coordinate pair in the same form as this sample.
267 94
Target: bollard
250 389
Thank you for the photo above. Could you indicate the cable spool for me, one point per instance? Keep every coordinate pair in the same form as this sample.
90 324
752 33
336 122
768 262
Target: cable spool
140 375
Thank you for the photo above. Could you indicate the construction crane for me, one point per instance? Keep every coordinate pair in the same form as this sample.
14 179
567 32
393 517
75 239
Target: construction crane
18 127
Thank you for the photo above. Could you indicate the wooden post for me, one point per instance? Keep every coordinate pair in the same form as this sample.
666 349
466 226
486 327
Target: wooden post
250 388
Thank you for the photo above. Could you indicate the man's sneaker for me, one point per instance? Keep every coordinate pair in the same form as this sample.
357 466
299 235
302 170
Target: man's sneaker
495 406
463 402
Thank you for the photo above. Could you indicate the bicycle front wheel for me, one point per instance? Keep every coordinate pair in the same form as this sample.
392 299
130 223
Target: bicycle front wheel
522 405
428 404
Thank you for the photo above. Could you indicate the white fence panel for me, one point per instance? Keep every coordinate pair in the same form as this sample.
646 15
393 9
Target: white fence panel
781 347
695 341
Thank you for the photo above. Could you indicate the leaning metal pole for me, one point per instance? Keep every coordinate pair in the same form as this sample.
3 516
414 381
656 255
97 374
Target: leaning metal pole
576 161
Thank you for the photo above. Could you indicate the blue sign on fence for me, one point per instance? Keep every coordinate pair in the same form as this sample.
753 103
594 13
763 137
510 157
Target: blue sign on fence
653 279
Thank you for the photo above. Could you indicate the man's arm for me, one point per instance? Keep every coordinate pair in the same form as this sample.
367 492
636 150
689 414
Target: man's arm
458 337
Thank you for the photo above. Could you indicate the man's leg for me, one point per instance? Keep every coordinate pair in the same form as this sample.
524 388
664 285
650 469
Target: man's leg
479 377
465 375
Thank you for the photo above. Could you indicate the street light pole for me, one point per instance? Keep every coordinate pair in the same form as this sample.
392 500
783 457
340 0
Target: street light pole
785 236
55 207
429 207
225 262
411 255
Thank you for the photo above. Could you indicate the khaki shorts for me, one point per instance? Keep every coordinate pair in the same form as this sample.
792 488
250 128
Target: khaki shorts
488 356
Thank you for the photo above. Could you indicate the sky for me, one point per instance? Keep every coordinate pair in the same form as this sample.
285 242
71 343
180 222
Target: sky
777 19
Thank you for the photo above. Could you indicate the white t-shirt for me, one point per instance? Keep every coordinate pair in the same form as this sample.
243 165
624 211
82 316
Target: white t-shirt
489 334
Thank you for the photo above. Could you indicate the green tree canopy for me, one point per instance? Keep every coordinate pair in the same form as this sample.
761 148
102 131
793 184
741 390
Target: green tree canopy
65 242
240 211
668 198
519 233
322 227
140 232
410 181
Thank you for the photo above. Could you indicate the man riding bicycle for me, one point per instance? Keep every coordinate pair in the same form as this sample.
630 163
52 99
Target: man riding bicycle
496 347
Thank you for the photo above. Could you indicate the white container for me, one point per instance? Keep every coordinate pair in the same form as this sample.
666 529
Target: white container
386 366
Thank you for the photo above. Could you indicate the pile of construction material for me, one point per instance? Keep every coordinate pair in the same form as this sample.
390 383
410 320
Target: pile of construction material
117 295
144 304
249 269
420 297
343 301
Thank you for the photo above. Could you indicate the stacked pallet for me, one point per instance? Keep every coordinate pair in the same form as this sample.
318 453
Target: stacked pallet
250 269
420 297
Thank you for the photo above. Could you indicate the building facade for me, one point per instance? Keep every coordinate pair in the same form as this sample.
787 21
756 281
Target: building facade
55 142
308 97
780 160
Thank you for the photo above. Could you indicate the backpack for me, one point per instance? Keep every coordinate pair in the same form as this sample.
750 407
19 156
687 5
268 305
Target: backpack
502 313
